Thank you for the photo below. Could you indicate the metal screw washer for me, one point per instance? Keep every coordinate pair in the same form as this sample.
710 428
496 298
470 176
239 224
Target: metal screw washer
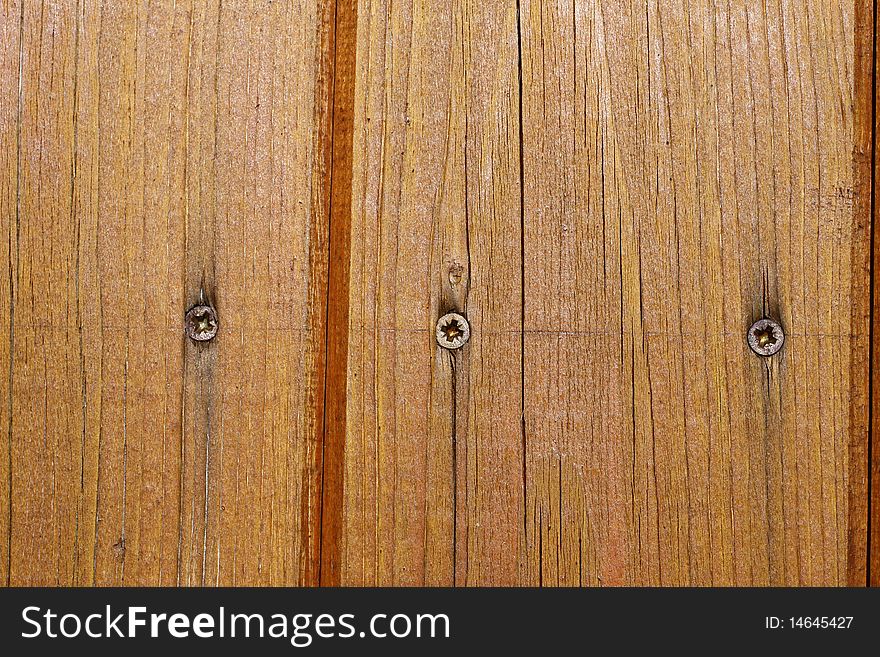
766 337
453 331
201 323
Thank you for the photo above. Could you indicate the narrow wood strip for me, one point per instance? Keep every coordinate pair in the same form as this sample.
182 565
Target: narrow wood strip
10 33
311 509
864 537
344 46
433 480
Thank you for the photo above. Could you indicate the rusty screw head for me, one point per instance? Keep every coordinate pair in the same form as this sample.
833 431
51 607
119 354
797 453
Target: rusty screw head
201 323
453 331
766 337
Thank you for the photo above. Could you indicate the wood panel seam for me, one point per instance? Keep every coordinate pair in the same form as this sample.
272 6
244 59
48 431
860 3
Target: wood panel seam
344 44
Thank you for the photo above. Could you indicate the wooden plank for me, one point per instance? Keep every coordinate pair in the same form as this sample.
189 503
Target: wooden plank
343 50
688 169
162 151
433 483
861 393
260 233
10 38
866 503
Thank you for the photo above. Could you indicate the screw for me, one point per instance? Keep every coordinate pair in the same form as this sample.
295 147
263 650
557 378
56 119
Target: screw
452 331
201 323
766 337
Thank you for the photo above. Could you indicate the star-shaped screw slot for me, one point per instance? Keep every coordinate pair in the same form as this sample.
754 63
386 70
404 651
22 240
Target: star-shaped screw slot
765 337
204 323
201 323
453 331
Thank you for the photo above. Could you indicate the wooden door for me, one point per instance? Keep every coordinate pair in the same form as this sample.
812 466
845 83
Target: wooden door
610 193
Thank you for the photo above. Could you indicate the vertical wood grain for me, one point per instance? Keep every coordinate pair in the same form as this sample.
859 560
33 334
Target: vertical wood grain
433 490
155 151
611 192
10 57
688 169
258 247
340 149
866 501
46 377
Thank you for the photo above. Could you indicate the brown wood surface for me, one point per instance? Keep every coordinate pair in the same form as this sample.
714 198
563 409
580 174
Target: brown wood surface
863 549
867 168
149 153
675 193
433 479
611 192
